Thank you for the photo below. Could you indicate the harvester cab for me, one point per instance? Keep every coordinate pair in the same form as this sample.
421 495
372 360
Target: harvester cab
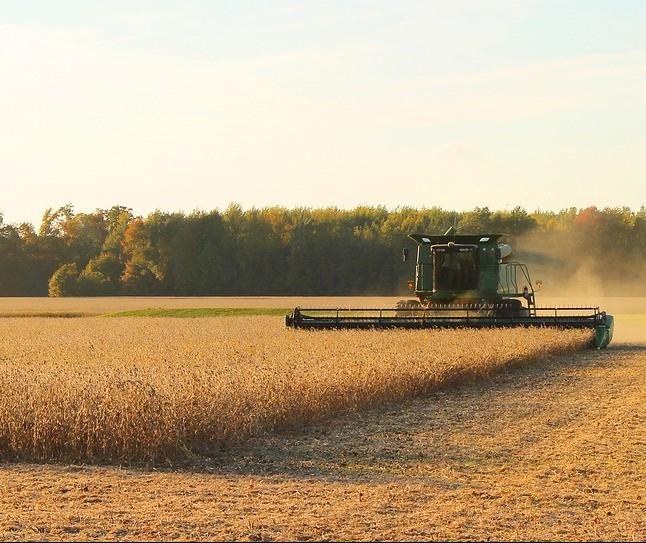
469 269
463 280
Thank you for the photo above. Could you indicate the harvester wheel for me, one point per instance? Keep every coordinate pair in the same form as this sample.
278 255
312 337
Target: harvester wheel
510 309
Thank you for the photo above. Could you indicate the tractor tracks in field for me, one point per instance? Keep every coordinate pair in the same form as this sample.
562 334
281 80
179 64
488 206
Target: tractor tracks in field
556 404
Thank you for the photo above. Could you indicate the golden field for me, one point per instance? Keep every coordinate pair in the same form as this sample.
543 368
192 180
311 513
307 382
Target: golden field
238 429
126 390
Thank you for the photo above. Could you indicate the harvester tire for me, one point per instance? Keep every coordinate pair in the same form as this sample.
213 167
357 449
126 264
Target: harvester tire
510 309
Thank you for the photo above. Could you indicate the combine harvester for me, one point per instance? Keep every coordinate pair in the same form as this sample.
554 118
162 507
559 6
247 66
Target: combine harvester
463 280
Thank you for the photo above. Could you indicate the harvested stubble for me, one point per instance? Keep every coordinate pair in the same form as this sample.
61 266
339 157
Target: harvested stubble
161 390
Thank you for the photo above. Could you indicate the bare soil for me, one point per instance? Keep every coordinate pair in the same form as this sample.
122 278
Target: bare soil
553 452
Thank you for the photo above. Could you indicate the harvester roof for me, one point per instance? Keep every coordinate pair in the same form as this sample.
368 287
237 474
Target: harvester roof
474 239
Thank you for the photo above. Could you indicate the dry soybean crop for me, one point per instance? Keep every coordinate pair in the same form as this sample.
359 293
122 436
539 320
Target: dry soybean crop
167 391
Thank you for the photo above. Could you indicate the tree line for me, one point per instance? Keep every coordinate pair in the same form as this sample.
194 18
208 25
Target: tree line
299 251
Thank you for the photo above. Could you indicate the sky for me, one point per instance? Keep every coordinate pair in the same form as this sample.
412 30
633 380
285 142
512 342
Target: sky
190 105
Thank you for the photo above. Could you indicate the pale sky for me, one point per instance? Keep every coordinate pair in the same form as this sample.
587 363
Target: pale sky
194 105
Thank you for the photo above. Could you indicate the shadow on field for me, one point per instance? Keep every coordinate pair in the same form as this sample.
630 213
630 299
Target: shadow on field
422 437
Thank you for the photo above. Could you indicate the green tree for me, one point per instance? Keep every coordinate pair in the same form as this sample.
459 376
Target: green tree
477 221
101 276
93 284
64 282
116 219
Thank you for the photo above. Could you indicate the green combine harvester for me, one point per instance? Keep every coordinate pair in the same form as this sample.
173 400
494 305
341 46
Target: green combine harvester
462 280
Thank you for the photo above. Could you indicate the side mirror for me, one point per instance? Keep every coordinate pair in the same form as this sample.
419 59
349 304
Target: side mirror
405 254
